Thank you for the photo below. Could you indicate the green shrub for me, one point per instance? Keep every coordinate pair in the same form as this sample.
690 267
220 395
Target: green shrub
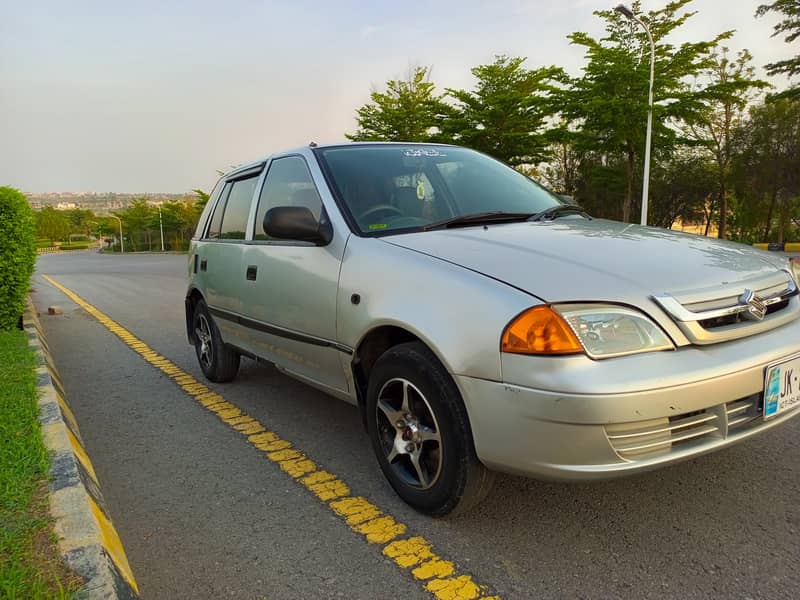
17 255
74 246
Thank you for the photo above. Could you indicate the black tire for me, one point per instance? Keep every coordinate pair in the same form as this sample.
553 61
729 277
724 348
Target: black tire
448 483
218 362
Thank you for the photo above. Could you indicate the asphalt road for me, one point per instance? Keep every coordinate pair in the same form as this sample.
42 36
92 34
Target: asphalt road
202 514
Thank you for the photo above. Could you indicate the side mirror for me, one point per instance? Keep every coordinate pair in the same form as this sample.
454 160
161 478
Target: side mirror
297 223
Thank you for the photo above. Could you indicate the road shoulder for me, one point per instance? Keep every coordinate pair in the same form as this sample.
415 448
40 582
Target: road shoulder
88 541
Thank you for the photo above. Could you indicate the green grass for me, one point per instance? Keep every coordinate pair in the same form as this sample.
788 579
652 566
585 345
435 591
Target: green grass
30 567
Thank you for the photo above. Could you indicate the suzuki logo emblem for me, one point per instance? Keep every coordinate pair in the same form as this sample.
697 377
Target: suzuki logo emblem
756 309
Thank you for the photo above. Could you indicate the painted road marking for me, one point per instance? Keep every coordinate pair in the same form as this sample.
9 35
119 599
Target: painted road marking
414 554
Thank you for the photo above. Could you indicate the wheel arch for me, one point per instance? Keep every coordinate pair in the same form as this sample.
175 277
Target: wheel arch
192 297
375 343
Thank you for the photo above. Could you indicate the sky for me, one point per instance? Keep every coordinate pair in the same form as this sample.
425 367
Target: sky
157 96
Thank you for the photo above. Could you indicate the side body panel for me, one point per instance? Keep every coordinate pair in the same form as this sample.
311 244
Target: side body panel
458 313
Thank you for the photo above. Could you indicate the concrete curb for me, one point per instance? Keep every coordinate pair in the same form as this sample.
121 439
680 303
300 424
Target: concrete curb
88 541
779 246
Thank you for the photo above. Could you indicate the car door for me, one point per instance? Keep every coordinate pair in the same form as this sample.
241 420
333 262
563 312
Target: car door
291 286
220 257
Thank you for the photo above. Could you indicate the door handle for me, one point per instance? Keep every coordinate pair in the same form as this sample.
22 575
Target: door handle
203 264
252 272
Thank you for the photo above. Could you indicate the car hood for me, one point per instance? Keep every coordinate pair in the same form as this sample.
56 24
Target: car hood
577 259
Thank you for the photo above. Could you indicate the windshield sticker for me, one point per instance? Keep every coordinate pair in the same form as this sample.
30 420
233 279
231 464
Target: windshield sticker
418 152
378 226
421 189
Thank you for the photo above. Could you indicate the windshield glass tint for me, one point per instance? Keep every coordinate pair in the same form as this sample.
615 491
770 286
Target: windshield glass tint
399 187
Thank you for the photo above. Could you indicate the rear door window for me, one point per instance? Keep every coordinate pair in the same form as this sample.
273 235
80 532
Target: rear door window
237 209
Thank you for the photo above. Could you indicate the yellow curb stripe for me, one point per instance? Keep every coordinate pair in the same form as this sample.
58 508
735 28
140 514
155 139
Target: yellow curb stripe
113 545
441 577
66 412
81 455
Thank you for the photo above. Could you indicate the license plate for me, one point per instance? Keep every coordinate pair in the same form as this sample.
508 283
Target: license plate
782 387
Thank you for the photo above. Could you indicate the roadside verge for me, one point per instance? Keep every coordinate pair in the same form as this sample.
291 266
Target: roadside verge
88 541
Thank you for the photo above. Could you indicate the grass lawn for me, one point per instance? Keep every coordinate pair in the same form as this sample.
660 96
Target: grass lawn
30 567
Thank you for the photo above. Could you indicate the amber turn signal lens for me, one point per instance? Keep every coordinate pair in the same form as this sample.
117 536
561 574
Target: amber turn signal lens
540 330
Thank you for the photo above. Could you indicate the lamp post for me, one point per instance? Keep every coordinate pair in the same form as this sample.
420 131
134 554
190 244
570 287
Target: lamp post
161 226
121 245
627 12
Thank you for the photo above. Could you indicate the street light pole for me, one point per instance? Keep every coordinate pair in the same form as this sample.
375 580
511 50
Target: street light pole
121 244
627 12
161 226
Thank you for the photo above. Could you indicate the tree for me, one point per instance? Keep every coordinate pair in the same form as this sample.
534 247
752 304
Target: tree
681 188
562 170
137 222
409 111
790 25
52 224
79 220
201 198
609 102
766 170
731 88
505 115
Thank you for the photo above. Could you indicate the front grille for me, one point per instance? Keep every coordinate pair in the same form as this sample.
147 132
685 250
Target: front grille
656 437
737 318
709 316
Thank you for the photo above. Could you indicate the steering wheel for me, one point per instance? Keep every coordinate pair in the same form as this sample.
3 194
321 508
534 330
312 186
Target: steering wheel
379 209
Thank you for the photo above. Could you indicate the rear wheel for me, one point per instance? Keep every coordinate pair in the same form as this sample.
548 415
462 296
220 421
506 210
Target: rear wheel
420 433
218 362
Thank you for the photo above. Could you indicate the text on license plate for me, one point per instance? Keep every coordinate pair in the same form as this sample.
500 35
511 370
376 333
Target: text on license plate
782 387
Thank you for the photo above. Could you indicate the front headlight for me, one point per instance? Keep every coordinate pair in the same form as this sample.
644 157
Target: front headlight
607 330
599 330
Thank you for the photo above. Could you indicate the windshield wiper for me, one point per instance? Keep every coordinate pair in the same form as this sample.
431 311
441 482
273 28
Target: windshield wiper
497 216
556 211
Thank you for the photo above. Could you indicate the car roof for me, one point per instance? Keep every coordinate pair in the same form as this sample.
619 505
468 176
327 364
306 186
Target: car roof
300 149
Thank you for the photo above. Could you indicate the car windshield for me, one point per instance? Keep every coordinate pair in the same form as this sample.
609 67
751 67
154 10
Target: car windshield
392 187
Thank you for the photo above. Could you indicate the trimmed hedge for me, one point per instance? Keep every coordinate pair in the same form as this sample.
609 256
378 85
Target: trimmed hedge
17 255
74 246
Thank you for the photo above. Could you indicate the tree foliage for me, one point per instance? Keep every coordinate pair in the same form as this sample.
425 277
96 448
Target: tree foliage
504 116
408 111
731 86
609 101
17 255
789 27
766 172
53 224
720 155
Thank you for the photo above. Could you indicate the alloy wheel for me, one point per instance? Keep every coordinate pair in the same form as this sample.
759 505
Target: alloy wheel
203 332
409 433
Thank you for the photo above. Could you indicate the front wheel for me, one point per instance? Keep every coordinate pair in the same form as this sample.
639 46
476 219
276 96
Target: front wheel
218 362
420 433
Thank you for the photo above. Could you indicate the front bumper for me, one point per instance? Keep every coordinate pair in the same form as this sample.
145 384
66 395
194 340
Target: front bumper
602 419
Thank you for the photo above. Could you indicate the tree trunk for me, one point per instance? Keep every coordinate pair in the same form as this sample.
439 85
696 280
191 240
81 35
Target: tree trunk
626 205
709 218
769 214
723 212
784 216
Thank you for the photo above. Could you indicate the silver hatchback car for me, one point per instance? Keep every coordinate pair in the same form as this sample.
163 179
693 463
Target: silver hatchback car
481 324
